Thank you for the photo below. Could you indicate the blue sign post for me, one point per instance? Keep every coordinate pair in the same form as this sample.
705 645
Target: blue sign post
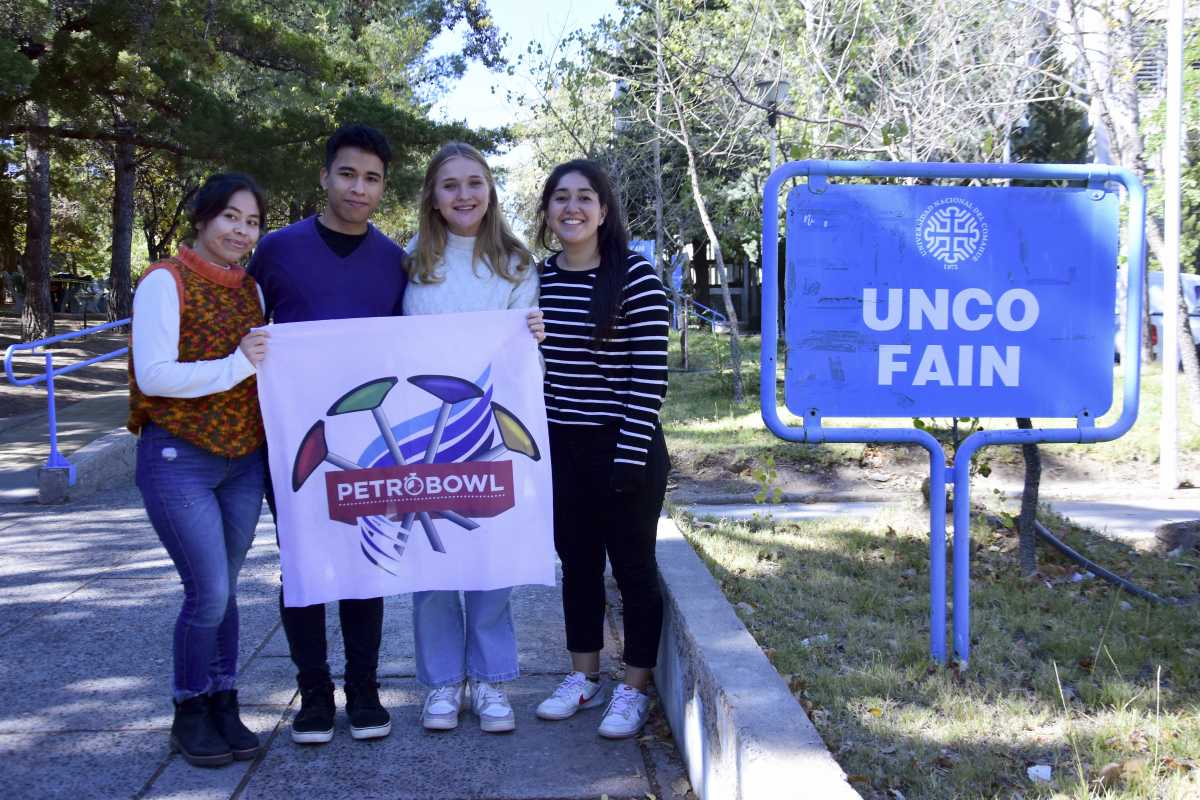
926 301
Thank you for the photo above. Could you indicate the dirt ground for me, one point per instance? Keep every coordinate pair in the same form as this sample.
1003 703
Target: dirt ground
17 401
805 473
801 473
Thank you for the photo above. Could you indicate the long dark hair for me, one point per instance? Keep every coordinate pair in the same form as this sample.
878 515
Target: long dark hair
213 197
613 241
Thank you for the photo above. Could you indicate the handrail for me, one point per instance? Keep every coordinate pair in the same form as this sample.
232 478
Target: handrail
720 318
56 460
709 315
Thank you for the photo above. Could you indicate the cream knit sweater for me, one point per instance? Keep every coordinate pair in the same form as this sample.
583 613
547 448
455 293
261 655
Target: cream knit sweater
468 286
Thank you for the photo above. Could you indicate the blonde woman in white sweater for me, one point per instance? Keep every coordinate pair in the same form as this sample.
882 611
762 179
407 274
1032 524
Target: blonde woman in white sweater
466 259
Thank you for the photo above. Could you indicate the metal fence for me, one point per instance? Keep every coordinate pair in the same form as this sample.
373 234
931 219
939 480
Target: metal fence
38 348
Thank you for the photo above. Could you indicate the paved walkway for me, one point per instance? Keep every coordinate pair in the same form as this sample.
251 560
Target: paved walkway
87 603
1130 519
25 440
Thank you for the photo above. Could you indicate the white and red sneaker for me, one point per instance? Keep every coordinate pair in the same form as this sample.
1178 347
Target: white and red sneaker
575 692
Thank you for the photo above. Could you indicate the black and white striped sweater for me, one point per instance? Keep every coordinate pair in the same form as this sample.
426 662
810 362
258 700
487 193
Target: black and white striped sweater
624 379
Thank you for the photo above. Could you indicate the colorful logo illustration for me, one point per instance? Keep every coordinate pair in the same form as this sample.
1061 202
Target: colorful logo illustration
953 231
451 472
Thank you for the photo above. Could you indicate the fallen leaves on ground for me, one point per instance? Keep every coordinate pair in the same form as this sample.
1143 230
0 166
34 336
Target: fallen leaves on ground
1113 774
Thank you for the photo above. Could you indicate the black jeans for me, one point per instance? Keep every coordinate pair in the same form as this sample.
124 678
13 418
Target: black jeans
592 520
362 631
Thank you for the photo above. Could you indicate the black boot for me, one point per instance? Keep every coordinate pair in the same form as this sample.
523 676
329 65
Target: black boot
313 724
368 718
223 708
193 735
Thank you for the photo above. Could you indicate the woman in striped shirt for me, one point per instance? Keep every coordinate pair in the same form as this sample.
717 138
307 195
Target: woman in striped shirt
606 375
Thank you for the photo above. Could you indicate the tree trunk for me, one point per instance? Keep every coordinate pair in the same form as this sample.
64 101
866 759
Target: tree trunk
1029 502
701 285
158 244
685 315
735 344
664 264
120 299
1102 36
684 323
1190 357
37 319
10 258
1187 352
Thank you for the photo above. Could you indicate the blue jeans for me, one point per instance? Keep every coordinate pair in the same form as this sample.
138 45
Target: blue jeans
484 649
204 508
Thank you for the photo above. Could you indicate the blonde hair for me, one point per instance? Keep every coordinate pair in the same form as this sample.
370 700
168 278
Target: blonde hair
495 244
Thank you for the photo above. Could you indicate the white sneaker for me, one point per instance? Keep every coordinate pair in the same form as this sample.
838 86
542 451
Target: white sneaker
575 692
626 713
491 705
442 707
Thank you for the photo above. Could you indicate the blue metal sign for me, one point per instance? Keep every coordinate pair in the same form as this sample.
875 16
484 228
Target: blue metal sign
908 301
928 301
645 247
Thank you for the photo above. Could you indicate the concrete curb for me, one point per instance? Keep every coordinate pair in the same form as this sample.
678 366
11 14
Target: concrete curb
101 464
741 732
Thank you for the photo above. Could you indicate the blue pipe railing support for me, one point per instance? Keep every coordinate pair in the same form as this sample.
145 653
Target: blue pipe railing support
56 460
1096 175
703 312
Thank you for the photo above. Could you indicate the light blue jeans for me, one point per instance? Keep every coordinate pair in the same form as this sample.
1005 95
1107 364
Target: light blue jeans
448 651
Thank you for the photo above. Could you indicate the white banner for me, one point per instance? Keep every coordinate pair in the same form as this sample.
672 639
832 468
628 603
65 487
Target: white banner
407 454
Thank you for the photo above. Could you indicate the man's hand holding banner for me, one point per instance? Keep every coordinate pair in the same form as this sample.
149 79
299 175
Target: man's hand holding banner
407 454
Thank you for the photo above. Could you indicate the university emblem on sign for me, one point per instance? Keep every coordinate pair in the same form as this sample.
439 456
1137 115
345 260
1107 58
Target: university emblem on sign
953 231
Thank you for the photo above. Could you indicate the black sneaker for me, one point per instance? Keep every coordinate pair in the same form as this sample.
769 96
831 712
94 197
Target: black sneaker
193 735
223 708
368 718
314 722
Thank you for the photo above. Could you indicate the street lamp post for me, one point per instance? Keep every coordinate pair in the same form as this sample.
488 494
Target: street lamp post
773 92
1168 459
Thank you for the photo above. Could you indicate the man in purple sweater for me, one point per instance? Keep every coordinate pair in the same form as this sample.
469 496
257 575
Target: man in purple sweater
336 265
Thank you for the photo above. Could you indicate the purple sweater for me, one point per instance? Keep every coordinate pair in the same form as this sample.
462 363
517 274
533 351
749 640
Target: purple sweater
303 280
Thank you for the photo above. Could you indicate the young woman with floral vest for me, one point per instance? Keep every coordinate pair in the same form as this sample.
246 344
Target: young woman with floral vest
193 401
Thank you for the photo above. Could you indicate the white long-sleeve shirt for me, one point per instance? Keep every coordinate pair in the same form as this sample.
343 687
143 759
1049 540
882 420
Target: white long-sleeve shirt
156 362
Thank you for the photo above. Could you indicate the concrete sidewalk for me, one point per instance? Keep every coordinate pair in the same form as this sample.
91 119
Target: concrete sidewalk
25 440
1128 517
88 599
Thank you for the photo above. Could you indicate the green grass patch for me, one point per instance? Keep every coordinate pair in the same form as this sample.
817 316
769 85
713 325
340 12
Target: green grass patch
1066 673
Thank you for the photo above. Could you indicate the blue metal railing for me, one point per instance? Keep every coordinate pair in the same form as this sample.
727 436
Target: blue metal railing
702 312
56 460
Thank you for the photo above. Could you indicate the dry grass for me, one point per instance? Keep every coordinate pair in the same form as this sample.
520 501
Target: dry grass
1101 687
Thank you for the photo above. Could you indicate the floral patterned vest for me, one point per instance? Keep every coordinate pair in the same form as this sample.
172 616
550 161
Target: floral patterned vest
217 307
